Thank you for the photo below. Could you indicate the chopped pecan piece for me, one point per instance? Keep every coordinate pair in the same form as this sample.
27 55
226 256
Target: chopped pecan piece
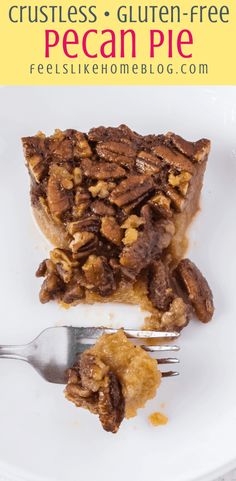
197 289
131 236
63 176
148 164
197 151
102 170
94 386
149 244
175 159
111 230
62 278
92 371
159 286
177 200
102 189
81 196
64 146
60 146
82 148
161 204
131 225
131 189
181 181
77 175
118 152
42 269
81 202
64 263
133 222
37 167
99 275
35 155
79 210
52 285
101 208
108 134
177 317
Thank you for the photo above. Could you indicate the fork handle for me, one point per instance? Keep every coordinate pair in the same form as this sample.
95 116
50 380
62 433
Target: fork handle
14 352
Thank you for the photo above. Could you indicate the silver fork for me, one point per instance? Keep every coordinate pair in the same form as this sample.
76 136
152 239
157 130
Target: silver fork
56 349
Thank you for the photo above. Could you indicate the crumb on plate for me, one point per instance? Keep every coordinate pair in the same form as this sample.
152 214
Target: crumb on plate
158 419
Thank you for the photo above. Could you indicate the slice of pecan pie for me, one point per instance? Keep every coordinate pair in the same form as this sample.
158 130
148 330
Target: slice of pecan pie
113 379
116 205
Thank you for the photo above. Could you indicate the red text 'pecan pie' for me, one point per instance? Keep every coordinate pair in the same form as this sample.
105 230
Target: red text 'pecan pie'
116 206
113 379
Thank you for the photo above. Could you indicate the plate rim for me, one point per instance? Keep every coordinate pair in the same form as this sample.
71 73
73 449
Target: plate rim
6 474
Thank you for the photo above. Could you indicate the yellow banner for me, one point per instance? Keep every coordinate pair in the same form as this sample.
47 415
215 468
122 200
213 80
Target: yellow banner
114 42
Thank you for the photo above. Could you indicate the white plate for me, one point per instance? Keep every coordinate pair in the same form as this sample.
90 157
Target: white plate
43 437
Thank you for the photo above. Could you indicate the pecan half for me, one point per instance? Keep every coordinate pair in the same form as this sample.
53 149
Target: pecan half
132 189
148 246
60 146
58 194
35 155
102 170
101 208
197 151
148 164
197 289
111 230
111 406
99 275
118 152
51 288
42 269
37 167
159 286
177 200
83 244
175 159
74 292
88 224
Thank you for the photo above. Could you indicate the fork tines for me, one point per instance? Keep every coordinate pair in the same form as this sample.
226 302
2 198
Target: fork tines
135 334
95 332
